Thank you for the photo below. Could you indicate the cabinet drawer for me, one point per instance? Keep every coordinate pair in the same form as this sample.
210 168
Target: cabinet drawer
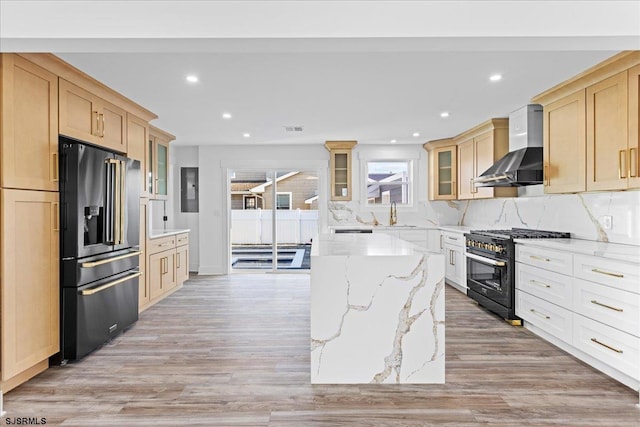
549 259
545 284
554 320
611 346
618 274
393 233
182 239
613 307
417 237
456 239
160 244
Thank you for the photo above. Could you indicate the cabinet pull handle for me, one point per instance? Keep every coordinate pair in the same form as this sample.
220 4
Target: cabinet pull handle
620 310
96 121
535 282
546 175
165 244
471 186
56 167
56 216
544 316
102 127
178 260
452 238
440 241
622 164
633 162
595 270
606 346
454 190
539 258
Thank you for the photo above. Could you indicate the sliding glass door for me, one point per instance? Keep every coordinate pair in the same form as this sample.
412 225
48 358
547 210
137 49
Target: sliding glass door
274 215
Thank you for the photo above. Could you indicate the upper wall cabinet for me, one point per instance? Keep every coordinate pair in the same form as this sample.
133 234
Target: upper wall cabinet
591 128
442 169
158 163
137 148
340 168
87 117
29 125
634 126
478 149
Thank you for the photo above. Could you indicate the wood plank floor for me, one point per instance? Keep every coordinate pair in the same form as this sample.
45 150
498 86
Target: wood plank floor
234 351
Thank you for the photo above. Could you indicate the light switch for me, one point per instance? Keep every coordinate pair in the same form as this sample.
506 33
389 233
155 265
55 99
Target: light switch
607 222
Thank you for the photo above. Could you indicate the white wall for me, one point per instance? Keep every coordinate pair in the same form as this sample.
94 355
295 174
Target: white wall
211 224
181 157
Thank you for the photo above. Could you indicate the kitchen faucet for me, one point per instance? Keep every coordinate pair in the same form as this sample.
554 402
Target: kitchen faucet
393 215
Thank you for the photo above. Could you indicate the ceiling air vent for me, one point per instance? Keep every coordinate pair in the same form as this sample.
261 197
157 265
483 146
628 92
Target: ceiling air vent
293 128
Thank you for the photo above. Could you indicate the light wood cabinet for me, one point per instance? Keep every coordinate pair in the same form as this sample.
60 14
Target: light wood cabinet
182 264
564 127
591 128
89 118
167 265
607 134
634 126
137 143
28 125
443 170
144 296
340 169
162 275
30 289
478 149
158 163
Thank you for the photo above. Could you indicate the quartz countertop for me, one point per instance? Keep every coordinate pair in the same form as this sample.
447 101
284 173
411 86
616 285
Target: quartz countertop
375 244
614 251
154 234
455 228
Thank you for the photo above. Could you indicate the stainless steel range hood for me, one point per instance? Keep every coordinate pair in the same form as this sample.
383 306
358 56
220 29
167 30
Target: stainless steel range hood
522 165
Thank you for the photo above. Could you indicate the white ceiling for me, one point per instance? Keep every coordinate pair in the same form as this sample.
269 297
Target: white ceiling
369 71
371 97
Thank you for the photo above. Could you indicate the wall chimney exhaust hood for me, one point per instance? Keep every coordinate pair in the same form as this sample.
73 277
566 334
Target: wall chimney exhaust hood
522 165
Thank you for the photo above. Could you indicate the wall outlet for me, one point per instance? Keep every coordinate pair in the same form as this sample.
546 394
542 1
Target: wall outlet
607 222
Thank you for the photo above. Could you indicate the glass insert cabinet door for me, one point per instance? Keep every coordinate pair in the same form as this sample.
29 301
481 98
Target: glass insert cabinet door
340 168
443 172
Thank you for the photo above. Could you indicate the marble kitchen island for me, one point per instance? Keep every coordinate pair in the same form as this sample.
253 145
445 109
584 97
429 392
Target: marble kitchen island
377 311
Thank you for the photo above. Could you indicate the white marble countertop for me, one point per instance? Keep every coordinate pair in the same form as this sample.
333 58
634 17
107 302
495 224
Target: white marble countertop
615 251
455 228
374 244
157 233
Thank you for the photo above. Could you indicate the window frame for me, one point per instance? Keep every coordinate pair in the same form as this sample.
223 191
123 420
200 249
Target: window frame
289 193
411 184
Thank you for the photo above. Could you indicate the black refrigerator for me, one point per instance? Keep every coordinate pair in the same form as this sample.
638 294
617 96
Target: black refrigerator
99 246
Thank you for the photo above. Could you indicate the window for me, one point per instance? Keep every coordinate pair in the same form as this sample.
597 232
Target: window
250 202
389 181
283 200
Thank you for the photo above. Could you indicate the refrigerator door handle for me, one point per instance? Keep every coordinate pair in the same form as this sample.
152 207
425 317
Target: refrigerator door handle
110 284
107 202
123 186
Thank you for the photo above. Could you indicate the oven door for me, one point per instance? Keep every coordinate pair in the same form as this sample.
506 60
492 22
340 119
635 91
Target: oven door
490 278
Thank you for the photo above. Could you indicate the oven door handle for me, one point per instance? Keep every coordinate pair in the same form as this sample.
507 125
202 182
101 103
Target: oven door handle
486 260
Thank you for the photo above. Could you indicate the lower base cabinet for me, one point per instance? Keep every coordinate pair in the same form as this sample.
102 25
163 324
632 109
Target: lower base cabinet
29 289
167 266
586 305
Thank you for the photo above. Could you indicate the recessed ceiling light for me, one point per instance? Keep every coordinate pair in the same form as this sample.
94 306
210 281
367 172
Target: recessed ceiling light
444 114
226 116
416 134
246 135
192 78
496 77
393 141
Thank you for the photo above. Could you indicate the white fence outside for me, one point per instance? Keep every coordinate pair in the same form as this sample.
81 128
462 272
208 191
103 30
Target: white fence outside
253 226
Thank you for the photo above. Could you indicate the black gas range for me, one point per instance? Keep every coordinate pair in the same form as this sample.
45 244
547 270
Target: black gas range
491 267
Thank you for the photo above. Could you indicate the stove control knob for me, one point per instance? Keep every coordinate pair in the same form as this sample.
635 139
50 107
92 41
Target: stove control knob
485 246
492 247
